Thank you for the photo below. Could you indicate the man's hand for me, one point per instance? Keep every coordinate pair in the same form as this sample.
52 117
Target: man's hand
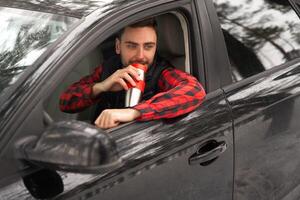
117 81
110 118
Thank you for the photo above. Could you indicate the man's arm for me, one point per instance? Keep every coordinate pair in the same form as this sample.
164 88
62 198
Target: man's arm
86 92
79 95
180 93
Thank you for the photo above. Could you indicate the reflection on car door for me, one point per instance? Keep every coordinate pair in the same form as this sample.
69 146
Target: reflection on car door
186 158
266 119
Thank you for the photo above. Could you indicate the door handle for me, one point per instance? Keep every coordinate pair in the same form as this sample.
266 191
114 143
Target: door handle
208 152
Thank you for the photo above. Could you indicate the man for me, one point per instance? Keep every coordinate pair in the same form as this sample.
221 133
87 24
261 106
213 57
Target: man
169 92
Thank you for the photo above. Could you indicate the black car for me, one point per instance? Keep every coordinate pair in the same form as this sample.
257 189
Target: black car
243 142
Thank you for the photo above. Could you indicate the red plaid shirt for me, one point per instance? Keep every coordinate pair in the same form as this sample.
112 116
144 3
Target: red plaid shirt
179 93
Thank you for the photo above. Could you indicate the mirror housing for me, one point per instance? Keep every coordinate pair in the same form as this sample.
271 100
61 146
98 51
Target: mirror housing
72 146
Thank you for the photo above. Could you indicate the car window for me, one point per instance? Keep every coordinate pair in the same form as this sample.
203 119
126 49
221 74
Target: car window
173 52
25 35
259 34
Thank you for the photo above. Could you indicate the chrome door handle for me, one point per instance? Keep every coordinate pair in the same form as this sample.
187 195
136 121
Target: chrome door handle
208 152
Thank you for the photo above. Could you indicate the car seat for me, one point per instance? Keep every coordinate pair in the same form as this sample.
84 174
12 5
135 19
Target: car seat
171 40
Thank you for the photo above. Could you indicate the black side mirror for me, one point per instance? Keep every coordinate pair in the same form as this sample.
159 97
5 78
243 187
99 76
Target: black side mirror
43 183
72 146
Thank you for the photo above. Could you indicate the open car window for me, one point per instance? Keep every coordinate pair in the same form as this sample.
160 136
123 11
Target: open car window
175 52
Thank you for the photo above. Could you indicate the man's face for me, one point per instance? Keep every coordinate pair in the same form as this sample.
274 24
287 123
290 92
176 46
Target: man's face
137 45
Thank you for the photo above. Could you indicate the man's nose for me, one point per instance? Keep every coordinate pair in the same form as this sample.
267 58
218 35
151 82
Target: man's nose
140 53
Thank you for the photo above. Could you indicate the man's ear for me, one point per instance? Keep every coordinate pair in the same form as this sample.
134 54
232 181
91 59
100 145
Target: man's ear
118 46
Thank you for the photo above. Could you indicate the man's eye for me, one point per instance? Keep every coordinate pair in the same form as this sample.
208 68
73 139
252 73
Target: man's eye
149 46
131 46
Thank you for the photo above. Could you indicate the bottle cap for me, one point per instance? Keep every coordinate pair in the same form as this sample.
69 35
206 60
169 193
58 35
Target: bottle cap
140 66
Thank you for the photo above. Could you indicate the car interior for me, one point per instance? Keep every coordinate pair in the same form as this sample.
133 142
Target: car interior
173 43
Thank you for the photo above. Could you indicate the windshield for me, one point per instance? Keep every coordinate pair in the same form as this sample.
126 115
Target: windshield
24 36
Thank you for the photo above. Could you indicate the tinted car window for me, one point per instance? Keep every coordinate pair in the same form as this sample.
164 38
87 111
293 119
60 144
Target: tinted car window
25 35
259 34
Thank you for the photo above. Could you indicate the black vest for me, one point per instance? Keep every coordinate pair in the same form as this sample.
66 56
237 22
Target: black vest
117 99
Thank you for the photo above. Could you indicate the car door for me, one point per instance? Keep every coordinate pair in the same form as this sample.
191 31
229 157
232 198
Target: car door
185 158
189 157
265 100
162 159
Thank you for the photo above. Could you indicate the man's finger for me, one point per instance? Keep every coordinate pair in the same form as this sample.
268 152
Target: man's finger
97 122
129 79
123 83
100 121
114 124
133 72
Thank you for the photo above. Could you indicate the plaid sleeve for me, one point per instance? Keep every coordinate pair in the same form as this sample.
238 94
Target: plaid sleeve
78 95
180 93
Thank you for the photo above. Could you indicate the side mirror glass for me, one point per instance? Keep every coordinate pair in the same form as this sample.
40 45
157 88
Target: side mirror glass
72 146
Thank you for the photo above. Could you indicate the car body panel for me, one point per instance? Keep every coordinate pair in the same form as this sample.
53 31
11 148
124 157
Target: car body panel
266 127
217 67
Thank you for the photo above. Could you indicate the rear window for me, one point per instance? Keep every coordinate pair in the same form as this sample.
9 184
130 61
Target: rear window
259 34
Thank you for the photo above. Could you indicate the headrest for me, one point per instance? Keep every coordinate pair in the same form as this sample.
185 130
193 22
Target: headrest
170 36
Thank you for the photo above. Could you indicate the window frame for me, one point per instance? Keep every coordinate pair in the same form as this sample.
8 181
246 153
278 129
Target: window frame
183 10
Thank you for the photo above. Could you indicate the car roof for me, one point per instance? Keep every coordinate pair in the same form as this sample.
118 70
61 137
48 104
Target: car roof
73 8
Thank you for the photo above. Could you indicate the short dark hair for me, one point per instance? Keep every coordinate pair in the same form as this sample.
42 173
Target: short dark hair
149 22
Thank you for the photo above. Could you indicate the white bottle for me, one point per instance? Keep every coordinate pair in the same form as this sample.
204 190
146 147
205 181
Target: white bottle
134 94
